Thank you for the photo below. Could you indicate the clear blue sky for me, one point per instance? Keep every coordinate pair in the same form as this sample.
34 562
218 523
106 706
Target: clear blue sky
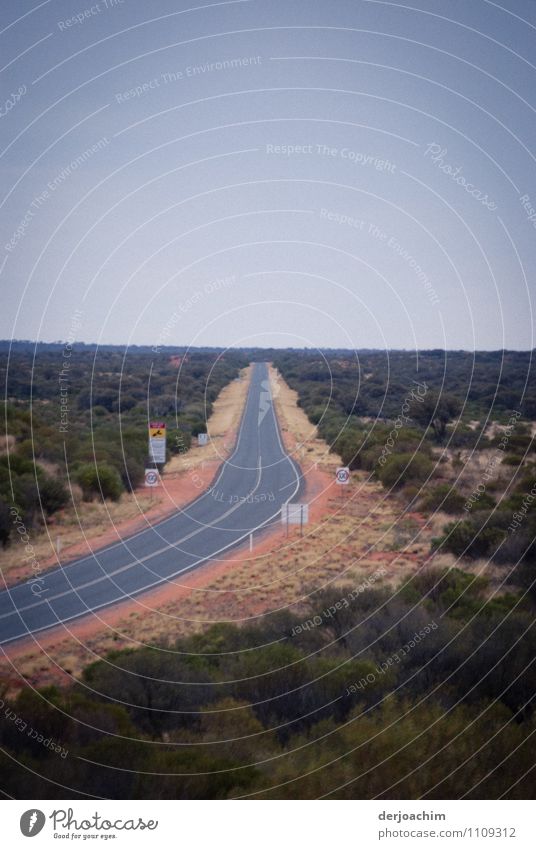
275 172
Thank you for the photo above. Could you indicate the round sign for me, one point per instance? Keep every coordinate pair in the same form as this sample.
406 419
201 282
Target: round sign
151 478
343 475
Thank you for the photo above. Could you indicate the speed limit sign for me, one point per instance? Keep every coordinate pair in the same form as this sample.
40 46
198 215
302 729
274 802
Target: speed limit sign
151 477
343 475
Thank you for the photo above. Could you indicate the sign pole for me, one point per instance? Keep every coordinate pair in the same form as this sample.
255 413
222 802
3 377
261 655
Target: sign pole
151 479
342 477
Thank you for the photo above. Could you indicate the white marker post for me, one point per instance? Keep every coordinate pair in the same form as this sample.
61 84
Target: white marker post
151 480
342 478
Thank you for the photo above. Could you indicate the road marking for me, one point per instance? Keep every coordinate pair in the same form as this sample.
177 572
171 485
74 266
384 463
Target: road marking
137 561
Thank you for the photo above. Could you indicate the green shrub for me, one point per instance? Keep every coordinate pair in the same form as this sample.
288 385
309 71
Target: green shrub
53 493
469 538
347 443
368 458
101 480
481 501
443 497
132 472
6 524
512 460
400 469
179 441
198 426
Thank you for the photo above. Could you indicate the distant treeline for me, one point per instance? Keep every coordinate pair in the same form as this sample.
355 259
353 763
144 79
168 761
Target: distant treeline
375 383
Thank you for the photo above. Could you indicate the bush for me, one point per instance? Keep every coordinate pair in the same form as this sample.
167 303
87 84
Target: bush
179 441
465 437
481 500
53 494
5 524
316 413
512 460
132 472
400 469
198 426
443 497
347 443
101 480
26 495
469 538
367 459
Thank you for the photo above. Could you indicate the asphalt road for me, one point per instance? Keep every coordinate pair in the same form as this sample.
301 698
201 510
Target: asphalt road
246 495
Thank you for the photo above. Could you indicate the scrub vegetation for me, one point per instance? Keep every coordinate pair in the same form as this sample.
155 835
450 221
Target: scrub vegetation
420 686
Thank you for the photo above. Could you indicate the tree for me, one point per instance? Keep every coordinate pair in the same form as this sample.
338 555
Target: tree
436 411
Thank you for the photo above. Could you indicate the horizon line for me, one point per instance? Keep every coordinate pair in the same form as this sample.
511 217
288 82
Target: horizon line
186 347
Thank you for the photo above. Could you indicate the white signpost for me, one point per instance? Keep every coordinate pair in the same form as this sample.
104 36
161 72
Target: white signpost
151 477
294 514
342 478
202 438
157 442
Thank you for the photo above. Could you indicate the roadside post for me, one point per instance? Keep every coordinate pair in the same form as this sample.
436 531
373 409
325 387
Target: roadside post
151 480
157 442
342 478
157 454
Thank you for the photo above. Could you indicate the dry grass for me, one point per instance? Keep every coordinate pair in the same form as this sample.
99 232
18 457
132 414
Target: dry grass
299 435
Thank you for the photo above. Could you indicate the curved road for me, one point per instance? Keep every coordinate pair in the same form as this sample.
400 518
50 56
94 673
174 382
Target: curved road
246 495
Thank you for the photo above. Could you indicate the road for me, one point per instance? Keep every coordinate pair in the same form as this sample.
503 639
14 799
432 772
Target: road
246 495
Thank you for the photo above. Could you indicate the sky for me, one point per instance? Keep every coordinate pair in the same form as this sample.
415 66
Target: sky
288 173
